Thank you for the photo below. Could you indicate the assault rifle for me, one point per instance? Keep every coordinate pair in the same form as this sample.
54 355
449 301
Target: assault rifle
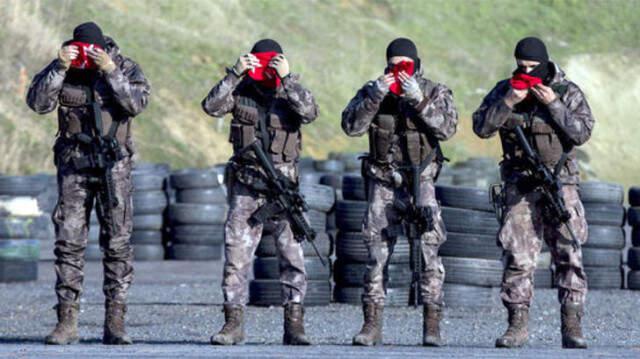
554 209
103 151
417 221
286 199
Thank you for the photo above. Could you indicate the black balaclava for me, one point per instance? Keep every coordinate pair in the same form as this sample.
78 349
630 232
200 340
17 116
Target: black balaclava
266 45
404 47
89 33
533 49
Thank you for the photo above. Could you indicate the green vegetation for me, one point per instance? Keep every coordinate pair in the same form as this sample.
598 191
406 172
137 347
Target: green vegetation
184 46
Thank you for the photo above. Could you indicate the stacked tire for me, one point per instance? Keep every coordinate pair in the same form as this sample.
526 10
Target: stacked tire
198 215
605 215
265 288
150 201
478 172
47 201
633 255
470 255
22 227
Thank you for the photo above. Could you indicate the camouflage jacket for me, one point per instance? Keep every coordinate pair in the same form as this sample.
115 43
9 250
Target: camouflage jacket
435 117
122 95
569 119
288 107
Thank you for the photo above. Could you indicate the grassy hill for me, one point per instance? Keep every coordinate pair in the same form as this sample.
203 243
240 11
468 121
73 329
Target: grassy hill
184 46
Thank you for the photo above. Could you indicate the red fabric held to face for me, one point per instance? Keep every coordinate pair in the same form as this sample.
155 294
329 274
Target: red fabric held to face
406 66
522 81
264 75
83 61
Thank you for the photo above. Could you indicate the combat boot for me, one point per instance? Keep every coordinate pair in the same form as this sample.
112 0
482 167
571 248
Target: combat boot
114 331
571 314
294 325
232 331
517 333
432 314
371 332
66 331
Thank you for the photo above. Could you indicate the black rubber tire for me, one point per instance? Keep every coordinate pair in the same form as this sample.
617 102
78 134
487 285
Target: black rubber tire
192 213
310 177
305 164
350 248
269 268
596 257
148 222
633 280
93 253
331 221
267 246
353 188
634 196
152 168
352 274
543 278
472 271
317 220
148 252
604 277
18 271
145 181
604 214
19 250
470 246
634 216
633 258
194 178
350 215
464 197
470 221
332 180
26 227
22 185
332 166
601 192
635 237
395 297
265 292
198 235
149 202
606 237
146 237
202 195
319 197
469 296
194 252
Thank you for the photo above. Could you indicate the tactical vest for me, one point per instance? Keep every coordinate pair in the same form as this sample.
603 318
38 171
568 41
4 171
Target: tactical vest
545 138
397 137
281 128
74 112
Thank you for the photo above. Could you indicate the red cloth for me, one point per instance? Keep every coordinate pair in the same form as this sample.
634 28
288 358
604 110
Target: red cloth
523 81
266 76
83 61
406 66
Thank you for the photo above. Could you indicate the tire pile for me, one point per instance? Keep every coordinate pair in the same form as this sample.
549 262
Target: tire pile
633 256
22 227
471 255
478 172
197 217
265 288
605 214
150 202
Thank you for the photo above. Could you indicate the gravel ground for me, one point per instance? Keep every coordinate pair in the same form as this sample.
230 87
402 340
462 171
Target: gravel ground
175 307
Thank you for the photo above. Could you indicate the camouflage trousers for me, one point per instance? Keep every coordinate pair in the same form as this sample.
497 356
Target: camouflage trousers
77 195
521 238
381 215
242 239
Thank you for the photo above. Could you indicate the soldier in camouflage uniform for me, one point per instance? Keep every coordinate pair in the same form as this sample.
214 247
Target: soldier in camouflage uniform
555 117
119 86
404 130
270 110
